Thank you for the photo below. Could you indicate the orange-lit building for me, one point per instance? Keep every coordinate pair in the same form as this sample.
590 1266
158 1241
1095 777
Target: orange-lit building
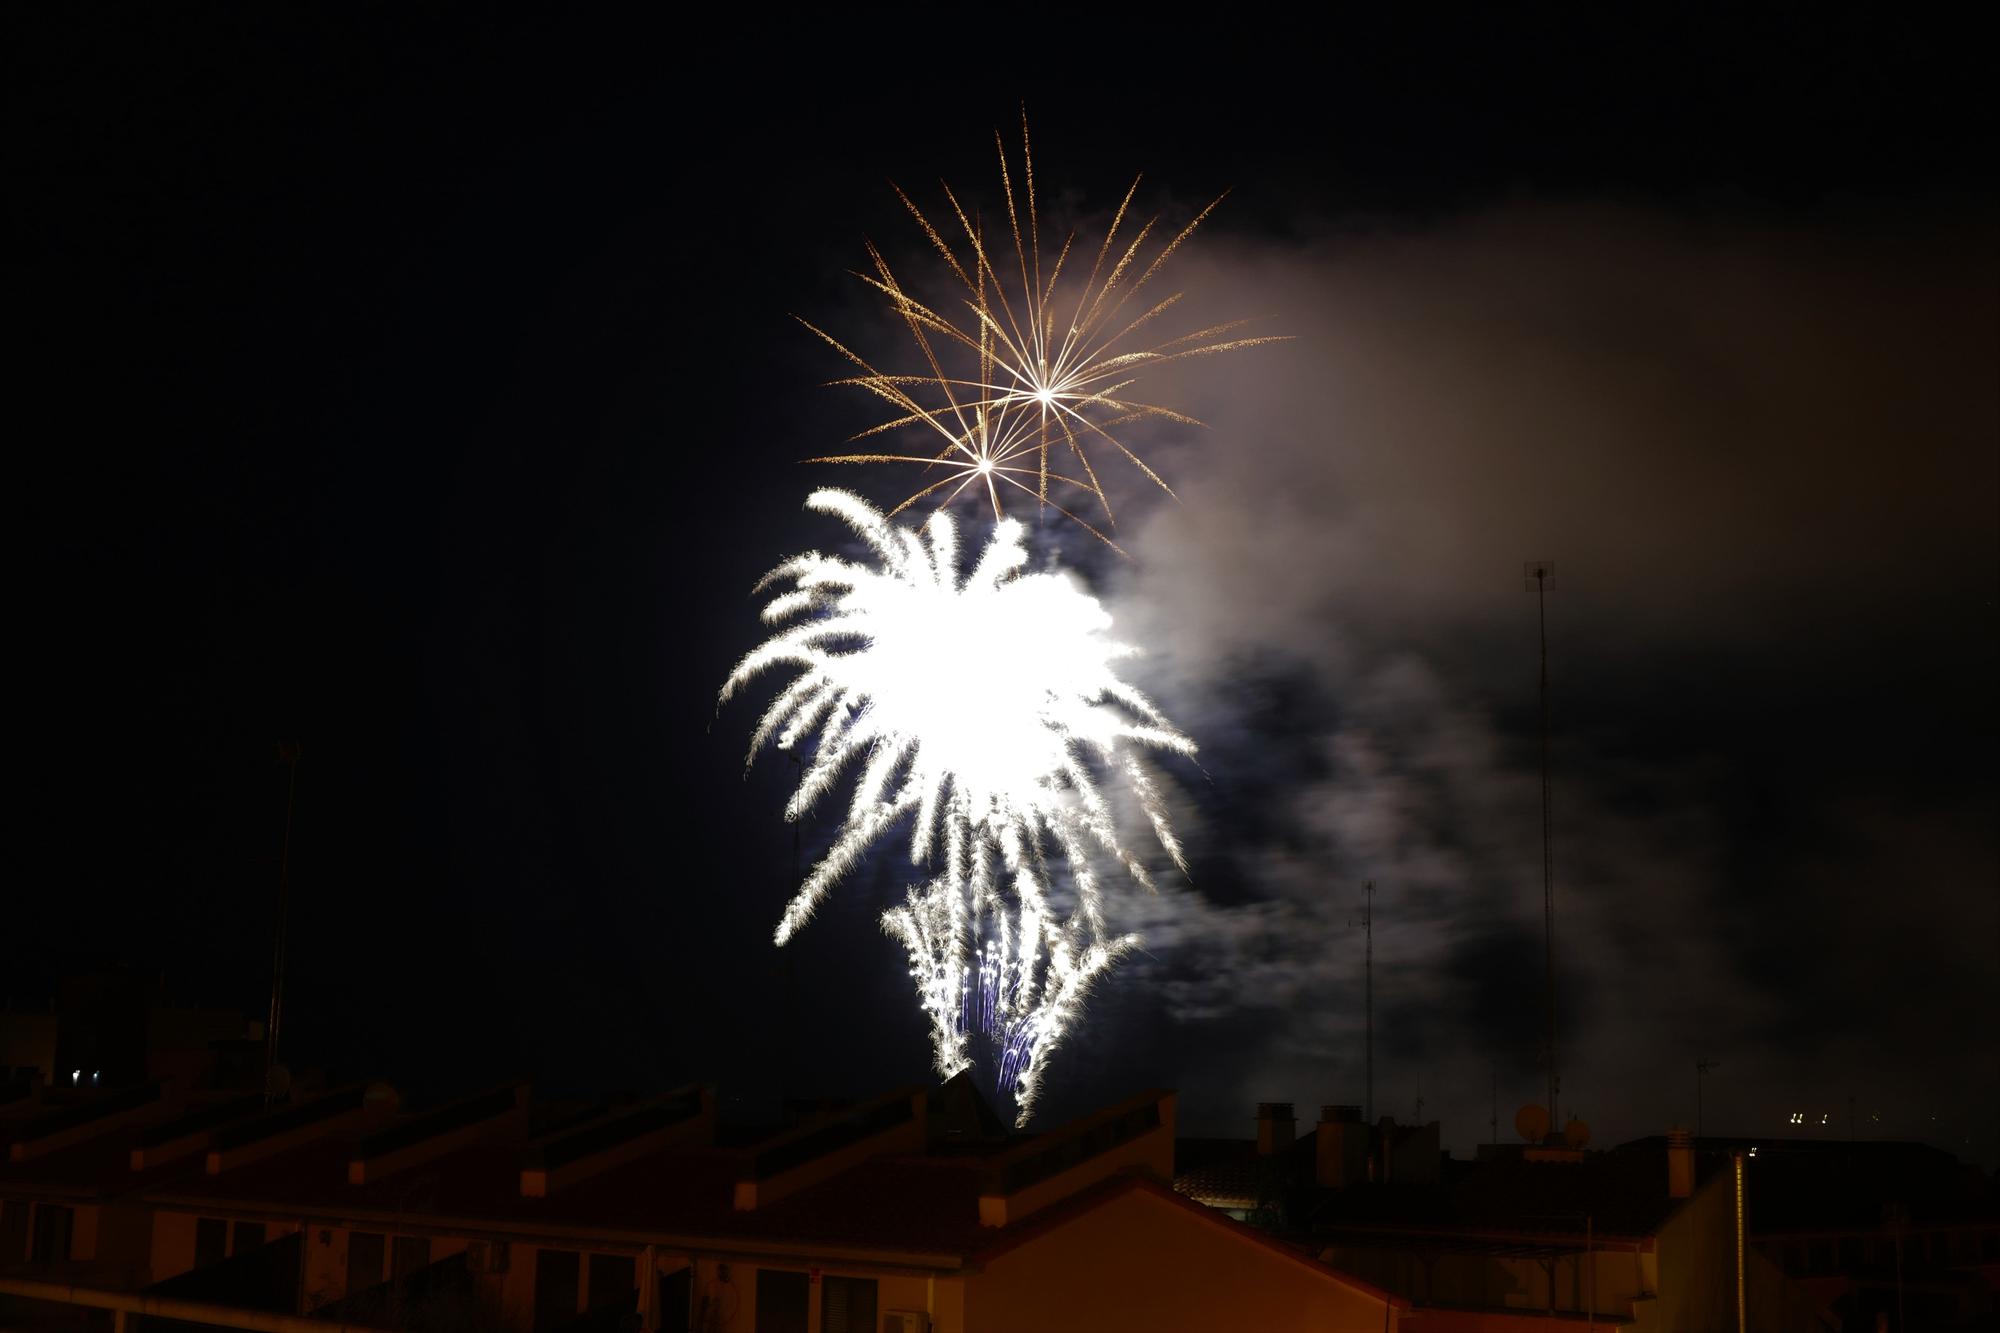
911 1212
1662 1233
27 1049
1872 1230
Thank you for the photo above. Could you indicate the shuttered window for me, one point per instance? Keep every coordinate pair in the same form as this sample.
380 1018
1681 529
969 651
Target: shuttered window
14 1230
364 1261
410 1254
211 1241
847 1305
52 1228
781 1301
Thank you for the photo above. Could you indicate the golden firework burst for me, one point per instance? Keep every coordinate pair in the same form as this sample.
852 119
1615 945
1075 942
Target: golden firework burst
1017 392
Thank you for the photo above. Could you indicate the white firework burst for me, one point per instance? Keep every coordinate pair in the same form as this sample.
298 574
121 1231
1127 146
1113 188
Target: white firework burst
981 710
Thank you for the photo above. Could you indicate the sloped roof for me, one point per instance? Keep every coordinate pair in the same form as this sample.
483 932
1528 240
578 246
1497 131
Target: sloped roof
1054 1217
1835 1185
1231 1173
897 1210
913 1206
1620 1194
99 1167
959 1111
94 1168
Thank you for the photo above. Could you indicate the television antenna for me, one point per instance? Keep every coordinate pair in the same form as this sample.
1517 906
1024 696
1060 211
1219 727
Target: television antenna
1537 574
1702 1065
1367 924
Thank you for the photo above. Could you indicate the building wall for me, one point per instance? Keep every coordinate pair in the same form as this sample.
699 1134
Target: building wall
173 1236
173 1244
1697 1265
1498 1321
1470 1278
125 1244
28 1041
84 1218
1775 1302
1144 1264
517 1289
325 1278
326 1252
735 1304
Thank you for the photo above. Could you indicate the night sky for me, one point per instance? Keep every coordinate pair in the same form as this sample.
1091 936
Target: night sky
425 389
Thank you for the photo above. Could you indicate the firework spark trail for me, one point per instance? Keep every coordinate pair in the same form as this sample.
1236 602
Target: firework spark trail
1031 368
998 978
980 710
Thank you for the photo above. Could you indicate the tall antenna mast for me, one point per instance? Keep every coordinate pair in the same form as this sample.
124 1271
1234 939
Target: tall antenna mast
1368 994
1702 1065
288 754
1538 572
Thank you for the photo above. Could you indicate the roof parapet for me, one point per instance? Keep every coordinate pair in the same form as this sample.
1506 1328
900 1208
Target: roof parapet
560 1160
47 1132
343 1109
1135 1134
826 1146
418 1139
176 1138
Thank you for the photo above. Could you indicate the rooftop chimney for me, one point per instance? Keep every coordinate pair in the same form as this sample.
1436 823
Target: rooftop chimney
1276 1127
1680 1164
1341 1148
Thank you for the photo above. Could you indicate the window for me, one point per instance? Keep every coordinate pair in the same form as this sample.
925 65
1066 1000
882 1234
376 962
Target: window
364 1261
249 1235
211 1241
410 1254
52 1227
557 1276
613 1282
847 1305
13 1230
782 1299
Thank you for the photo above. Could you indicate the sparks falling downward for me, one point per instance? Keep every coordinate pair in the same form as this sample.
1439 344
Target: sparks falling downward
982 710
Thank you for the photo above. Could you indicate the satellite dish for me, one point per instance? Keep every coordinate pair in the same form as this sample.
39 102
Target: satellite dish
1531 1122
1576 1133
